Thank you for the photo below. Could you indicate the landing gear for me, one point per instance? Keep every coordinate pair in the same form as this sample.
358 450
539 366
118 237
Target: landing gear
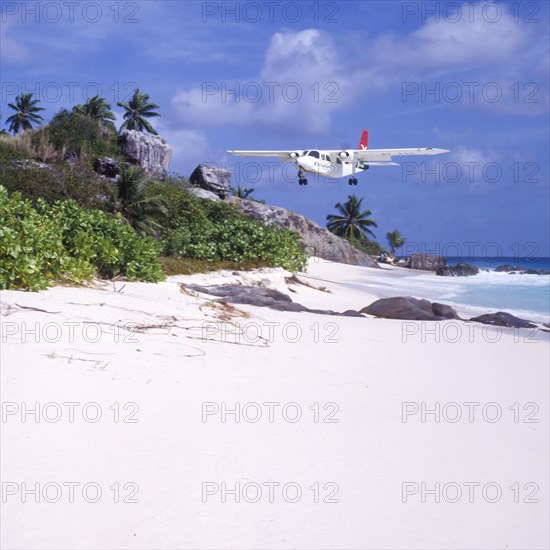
353 179
301 179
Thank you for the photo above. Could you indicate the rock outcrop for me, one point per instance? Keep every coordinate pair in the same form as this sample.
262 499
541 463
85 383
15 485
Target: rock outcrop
107 167
318 242
461 269
201 193
30 165
407 308
506 268
71 157
536 272
212 179
263 297
150 152
503 319
519 269
428 262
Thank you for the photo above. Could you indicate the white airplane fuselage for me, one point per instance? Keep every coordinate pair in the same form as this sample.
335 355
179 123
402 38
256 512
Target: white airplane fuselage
329 168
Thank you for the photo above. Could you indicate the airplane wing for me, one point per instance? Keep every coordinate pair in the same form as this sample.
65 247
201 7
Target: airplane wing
378 156
280 154
385 155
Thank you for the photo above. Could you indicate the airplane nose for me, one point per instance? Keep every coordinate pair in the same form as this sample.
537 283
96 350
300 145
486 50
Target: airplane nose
304 162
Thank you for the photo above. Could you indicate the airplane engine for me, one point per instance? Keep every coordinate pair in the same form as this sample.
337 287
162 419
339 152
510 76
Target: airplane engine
343 154
294 155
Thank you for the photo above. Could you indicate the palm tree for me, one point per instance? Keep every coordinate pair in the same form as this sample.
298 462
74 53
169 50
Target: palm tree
351 223
98 109
25 113
138 109
242 192
395 240
135 206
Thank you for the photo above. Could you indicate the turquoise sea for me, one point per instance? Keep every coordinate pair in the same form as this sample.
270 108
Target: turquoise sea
506 291
524 295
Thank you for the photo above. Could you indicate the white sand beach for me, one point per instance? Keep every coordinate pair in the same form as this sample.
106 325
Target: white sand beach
142 416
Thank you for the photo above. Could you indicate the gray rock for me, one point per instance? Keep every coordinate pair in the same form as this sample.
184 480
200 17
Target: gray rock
461 269
429 262
202 193
150 152
521 270
536 272
107 167
30 165
443 310
262 297
71 157
352 313
264 301
506 268
503 319
405 307
229 291
317 241
210 178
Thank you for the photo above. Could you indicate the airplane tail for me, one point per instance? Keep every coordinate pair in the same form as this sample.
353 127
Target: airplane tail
364 143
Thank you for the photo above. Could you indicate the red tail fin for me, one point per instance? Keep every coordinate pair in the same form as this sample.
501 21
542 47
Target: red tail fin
364 143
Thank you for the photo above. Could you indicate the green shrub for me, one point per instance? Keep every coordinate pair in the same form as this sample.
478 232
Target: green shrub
65 243
77 132
110 244
9 150
31 248
201 229
58 182
366 245
237 240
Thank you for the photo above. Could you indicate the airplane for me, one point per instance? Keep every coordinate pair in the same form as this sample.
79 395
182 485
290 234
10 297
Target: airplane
339 163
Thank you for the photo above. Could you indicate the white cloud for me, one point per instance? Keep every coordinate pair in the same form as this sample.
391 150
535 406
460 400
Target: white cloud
472 58
302 79
443 52
450 45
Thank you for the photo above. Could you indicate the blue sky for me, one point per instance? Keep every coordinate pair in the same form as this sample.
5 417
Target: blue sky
287 75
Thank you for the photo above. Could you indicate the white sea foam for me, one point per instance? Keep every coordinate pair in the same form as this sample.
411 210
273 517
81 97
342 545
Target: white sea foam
521 294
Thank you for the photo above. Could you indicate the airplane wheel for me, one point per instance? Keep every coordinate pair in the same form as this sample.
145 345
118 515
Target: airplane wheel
302 181
305 181
354 181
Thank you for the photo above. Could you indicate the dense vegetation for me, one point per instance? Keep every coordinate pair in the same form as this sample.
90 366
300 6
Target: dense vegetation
64 242
60 221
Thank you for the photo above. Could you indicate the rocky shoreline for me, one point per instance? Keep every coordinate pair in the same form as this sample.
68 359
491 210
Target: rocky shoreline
397 307
438 264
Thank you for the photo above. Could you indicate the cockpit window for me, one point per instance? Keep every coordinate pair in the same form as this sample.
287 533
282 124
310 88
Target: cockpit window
314 154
